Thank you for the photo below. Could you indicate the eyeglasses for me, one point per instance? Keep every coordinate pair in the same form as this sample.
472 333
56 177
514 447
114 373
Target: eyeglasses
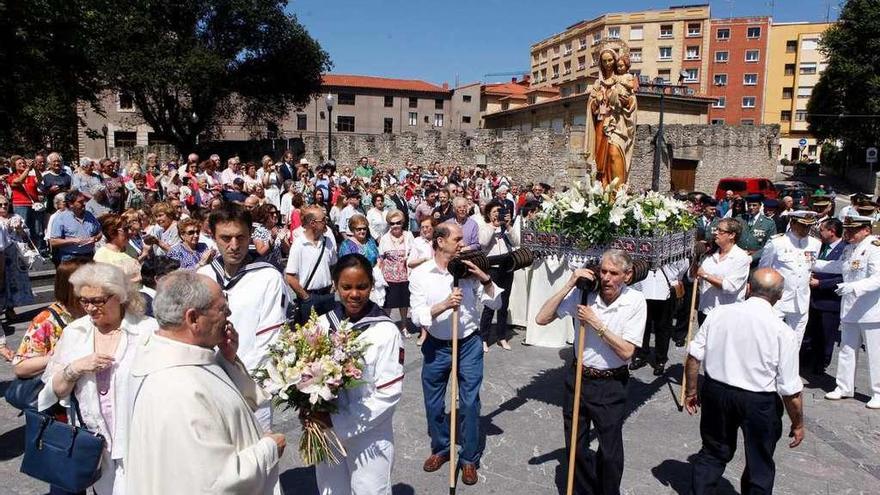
4 205
191 232
360 229
97 302
395 224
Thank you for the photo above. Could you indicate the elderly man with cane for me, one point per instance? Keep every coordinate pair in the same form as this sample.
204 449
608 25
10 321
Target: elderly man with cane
612 322
447 307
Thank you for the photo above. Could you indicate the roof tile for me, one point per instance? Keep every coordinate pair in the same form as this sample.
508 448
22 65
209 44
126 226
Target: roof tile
371 82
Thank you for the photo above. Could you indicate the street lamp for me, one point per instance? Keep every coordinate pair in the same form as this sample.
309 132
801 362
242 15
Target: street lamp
659 141
329 100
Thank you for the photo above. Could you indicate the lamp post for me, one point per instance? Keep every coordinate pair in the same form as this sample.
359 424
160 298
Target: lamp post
659 141
329 100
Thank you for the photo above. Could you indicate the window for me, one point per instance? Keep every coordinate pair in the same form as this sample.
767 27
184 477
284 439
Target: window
301 121
750 79
438 104
810 44
800 116
692 75
748 102
636 33
787 93
791 46
789 69
580 88
717 121
747 122
413 118
721 57
564 92
413 102
804 91
544 56
465 119
389 101
692 53
555 72
536 76
582 62
556 51
126 102
568 48
752 55
388 125
721 102
720 79
808 68
635 55
344 123
438 120
543 75
753 32
345 99
582 43
597 37
665 53
566 68
124 139
666 30
694 28
664 74
468 98
614 32
785 116
722 34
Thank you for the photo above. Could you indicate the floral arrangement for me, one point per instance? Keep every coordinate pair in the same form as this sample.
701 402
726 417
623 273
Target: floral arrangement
596 214
307 368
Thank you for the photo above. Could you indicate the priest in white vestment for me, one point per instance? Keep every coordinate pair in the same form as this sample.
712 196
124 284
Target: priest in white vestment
192 427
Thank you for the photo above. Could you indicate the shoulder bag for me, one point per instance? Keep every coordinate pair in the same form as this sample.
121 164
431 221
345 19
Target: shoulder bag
22 393
63 455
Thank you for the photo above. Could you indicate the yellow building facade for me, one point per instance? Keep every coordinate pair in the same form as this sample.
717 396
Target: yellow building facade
794 65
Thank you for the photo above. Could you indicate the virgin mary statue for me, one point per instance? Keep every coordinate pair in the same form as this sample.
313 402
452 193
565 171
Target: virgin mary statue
611 115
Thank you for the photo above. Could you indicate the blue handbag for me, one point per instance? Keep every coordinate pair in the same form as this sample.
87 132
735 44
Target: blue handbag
63 455
22 393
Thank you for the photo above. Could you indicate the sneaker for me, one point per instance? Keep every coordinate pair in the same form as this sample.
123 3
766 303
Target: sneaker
837 394
874 403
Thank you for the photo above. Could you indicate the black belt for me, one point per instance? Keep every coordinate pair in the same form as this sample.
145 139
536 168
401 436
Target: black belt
448 343
591 372
319 292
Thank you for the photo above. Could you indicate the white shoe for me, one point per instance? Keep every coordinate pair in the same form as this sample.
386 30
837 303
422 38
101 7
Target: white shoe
874 403
836 394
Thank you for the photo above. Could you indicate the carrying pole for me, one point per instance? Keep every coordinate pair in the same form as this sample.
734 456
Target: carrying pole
453 413
691 318
576 409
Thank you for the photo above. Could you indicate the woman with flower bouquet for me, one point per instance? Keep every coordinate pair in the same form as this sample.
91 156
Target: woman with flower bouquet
344 372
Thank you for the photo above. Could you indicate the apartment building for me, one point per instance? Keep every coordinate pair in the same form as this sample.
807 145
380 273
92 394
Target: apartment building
737 68
670 44
794 64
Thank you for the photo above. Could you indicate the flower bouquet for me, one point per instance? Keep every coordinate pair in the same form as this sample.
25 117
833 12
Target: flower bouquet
307 368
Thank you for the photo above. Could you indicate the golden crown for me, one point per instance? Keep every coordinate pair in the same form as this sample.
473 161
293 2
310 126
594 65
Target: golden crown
615 45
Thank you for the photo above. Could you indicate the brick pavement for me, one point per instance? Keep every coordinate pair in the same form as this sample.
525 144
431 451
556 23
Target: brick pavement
522 420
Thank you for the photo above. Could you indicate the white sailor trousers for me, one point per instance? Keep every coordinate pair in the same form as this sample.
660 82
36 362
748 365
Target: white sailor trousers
852 336
366 470
798 323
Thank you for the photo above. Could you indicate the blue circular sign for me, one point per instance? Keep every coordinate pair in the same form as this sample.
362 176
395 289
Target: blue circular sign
802 142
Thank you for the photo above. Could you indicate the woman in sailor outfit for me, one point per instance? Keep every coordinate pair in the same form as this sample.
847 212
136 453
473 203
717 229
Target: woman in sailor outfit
363 422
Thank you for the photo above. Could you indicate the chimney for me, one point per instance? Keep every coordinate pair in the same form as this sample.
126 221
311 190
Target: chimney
527 78
513 80
445 85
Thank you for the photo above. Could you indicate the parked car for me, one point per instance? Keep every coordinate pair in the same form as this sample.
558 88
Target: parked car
799 191
743 186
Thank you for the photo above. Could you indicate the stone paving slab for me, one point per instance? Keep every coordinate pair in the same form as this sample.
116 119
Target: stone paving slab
521 416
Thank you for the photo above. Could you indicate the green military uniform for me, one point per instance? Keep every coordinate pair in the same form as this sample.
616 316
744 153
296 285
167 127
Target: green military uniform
755 233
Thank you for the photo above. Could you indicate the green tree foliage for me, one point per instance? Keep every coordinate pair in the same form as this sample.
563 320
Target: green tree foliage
846 101
192 66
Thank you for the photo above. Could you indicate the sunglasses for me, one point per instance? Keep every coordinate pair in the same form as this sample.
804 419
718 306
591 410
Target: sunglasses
191 232
395 224
360 229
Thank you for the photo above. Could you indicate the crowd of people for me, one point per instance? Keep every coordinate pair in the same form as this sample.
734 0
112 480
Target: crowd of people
159 264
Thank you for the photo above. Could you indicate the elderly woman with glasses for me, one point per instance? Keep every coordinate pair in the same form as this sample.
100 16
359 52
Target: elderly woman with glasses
360 242
394 248
115 231
92 360
191 253
165 215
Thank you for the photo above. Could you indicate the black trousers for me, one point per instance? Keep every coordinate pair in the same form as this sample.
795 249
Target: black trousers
682 313
504 280
823 330
659 322
727 409
603 404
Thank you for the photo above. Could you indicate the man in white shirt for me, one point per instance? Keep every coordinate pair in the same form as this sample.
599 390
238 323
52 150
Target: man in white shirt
614 316
258 297
433 296
751 359
232 172
352 202
792 254
661 288
312 255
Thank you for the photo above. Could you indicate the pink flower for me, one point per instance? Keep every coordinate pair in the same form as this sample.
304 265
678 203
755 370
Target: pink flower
352 371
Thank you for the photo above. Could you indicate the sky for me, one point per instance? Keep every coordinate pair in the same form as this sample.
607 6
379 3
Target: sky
464 40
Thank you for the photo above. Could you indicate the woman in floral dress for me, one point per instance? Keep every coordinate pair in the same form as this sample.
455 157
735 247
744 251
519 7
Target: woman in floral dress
394 248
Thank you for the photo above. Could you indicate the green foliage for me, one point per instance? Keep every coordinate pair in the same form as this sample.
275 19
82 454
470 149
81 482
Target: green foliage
850 85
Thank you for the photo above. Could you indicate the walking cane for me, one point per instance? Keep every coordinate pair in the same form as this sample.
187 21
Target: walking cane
453 416
691 318
576 409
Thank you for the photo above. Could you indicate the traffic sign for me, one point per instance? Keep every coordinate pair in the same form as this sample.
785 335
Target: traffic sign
871 155
802 142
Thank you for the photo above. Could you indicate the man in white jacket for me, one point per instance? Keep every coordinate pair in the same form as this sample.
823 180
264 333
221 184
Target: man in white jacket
193 428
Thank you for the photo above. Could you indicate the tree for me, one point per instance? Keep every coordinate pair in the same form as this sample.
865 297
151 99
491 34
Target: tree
845 103
192 66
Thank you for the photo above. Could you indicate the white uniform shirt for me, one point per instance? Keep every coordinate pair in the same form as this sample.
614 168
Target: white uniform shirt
847 211
258 298
344 216
747 346
656 286
303 257
734 271
860 266
421 249
793 258
429 285
625 317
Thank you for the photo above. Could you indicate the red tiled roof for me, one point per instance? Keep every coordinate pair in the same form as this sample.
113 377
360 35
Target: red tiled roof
370 82
505 89
546 89
514 97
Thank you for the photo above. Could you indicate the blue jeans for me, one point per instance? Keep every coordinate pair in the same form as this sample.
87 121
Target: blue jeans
435 374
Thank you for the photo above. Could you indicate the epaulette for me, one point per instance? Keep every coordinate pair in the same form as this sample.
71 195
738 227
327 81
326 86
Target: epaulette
774 236
876 242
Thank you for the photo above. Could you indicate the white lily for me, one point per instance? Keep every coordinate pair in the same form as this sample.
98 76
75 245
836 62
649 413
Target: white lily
592 209
617 215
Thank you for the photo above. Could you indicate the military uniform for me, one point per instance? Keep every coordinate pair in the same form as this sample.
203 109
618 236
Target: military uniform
859 311
755 234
